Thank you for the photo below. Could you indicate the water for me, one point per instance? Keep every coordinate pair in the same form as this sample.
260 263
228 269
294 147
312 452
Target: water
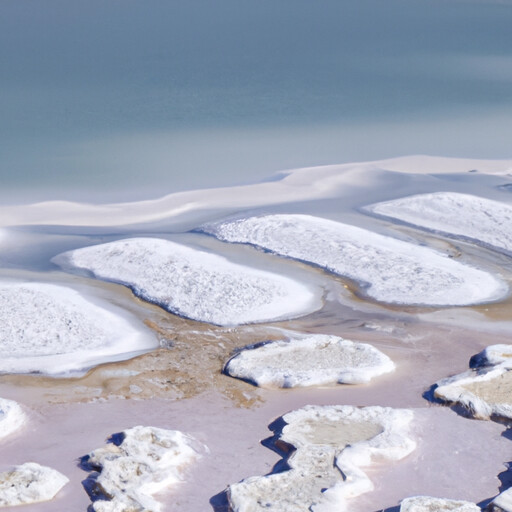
128 99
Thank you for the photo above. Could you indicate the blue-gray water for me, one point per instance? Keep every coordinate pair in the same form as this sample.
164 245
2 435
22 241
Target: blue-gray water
112 99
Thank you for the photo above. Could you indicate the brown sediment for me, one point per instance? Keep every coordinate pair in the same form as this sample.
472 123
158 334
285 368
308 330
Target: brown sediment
499 311
189 362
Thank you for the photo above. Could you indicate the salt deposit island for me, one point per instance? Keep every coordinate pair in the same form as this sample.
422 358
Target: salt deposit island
336 305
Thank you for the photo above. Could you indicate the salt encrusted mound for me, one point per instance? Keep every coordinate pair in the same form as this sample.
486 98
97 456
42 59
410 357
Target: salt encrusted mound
492 356
30 483
486 390
331 444
429 504
138 463
481 220
502 502
12 417
54 329
314 360
391 270
194 284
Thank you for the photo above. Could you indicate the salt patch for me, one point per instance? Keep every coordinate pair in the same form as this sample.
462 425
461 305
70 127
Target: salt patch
30 483
314 360
475 218
429 504
137 464
12 417
54 329
193 283
331 445
486 390
390 270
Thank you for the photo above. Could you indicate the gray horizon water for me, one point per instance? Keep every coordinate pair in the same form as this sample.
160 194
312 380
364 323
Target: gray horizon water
127 100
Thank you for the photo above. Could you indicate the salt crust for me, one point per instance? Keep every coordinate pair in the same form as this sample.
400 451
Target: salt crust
480 220
54 329
12 417
193 283
138 463
314 360
391 270
429 504
502 502
331 444
30 483
490 366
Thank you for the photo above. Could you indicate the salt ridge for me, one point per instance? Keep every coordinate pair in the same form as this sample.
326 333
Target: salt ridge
390 270
54 329
477 219
193 283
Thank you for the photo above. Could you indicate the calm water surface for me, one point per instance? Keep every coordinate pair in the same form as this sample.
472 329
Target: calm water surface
127 99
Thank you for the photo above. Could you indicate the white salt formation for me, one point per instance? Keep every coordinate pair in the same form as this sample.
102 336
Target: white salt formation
475 218
502 502
429 504
486 390
143 462
30 483
54 329
389 270
314 360
194 284
12 417
331 444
